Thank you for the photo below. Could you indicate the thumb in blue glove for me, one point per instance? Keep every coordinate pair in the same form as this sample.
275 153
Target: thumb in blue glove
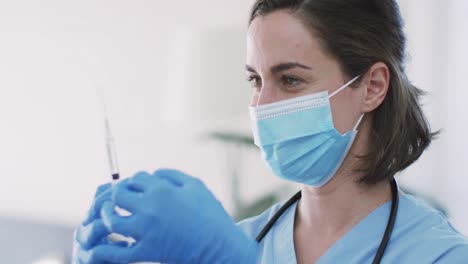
91 231
175 219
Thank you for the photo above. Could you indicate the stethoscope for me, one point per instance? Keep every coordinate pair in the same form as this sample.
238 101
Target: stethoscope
385 238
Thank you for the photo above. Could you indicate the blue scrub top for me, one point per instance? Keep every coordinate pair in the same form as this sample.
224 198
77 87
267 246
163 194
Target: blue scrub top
421 235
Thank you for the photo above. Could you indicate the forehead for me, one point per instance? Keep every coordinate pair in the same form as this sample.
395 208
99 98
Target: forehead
280 36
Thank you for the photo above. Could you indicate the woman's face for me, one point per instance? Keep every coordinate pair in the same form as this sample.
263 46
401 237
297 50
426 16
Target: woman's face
285 60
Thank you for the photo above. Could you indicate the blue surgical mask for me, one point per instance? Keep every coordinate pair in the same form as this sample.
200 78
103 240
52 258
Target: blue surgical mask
298 138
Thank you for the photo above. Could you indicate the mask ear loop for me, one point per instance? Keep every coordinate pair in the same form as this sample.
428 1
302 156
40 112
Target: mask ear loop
358 122
344 86
341 89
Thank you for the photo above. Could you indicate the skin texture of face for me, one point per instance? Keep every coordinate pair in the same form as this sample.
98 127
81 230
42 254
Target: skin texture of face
285 60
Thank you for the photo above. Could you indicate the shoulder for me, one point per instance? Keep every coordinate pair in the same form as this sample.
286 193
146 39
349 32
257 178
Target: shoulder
423 231
252 226
458 254
427 221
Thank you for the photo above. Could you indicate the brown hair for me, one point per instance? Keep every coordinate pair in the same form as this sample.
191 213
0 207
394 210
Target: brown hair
360 33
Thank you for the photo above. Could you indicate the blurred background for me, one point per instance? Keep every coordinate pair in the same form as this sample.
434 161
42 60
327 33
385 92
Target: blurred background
172 75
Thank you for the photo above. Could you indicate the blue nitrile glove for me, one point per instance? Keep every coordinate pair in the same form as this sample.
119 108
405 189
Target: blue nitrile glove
92 231
175 219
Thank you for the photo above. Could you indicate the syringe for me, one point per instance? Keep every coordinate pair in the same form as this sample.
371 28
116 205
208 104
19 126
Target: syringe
111 153
115 173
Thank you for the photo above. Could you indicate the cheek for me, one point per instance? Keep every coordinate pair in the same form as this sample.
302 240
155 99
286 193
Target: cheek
345 112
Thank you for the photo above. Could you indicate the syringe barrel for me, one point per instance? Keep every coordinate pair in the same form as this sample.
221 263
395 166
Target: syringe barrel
112 154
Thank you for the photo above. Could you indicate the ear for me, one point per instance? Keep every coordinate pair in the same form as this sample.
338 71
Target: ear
376 82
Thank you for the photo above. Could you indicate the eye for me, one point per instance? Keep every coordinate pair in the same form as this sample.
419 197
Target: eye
255 82
291 81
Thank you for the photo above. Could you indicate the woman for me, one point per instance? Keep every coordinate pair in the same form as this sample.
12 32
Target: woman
332 110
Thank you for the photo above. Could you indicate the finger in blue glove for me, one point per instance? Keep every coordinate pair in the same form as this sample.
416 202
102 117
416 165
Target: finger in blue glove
91 231
103 193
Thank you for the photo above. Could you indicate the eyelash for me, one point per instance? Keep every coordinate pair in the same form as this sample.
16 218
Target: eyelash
255 80
285 80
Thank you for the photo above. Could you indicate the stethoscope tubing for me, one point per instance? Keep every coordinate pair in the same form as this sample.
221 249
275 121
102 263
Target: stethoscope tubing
385 239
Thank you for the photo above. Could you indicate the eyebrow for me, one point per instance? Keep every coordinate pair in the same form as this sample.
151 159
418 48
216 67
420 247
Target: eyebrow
281 67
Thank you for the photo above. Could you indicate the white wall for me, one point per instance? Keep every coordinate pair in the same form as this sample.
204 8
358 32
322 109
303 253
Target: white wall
55 54
437 41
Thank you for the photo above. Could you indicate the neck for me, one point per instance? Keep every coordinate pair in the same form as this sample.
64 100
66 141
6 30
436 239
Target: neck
332 210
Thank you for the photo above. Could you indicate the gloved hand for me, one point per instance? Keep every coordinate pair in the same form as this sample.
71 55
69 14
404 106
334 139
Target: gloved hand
175 219
92 231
